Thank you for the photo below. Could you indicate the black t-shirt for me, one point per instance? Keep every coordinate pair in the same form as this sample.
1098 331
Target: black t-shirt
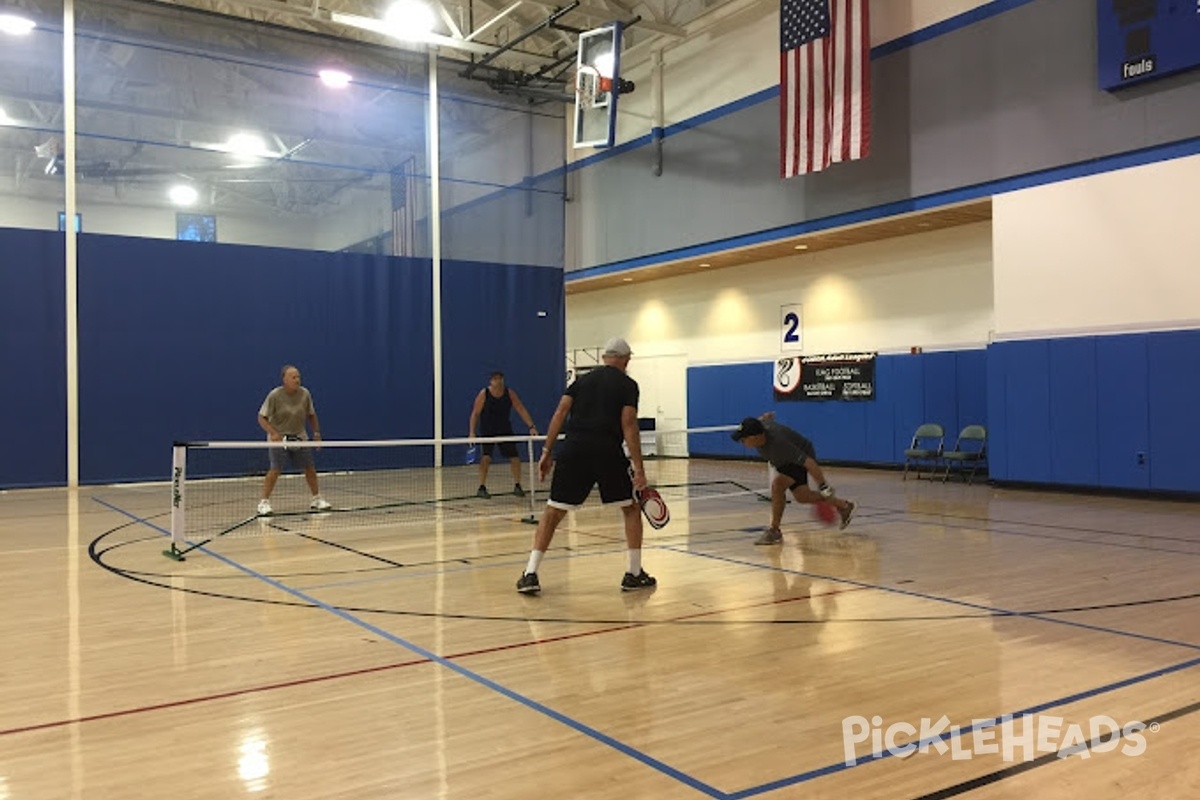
496 417
597 398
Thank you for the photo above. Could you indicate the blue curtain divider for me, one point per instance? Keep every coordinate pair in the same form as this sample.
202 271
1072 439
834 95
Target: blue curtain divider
33 357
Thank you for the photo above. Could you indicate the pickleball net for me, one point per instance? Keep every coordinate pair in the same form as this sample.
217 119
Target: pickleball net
216 486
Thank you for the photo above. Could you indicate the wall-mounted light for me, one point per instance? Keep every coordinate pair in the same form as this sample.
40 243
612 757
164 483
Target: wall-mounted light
800 247
334 78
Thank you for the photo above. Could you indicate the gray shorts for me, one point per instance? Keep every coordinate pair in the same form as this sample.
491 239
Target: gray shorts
301 457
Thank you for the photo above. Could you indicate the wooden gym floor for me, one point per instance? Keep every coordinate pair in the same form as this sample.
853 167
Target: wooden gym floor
399 662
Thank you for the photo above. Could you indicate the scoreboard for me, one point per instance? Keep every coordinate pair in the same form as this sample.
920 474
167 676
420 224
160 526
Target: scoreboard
1140 40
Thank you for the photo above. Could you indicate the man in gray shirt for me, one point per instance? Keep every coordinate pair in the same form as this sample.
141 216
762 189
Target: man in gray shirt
794 459
284 414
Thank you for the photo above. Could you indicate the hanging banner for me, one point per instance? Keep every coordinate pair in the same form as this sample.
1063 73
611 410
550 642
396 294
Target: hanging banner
840 376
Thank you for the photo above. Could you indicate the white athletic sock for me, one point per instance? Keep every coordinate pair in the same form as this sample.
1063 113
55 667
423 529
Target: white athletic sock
635 562
535 561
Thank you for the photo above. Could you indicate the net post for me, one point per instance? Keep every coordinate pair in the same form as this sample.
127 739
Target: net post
178 500
532 518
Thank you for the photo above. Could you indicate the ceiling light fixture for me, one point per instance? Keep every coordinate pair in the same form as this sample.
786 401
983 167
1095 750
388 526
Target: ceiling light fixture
247 145
182 194
16 26
409 19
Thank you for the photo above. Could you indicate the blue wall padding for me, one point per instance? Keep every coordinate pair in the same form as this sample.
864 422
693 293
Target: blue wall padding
1027 399
1074 433
1173 385
971 388
33 397
1122 410
997 412
948 387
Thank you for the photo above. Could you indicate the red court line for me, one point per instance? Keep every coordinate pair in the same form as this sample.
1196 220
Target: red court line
411 663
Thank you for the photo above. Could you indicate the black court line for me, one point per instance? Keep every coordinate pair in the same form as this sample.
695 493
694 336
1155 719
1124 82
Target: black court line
1041 761
1002 612
958 732
97 553
1045 525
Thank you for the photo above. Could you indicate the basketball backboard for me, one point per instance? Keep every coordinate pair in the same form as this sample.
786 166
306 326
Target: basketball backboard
597 74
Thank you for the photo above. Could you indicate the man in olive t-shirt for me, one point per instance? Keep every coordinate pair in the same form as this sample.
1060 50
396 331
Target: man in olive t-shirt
283 415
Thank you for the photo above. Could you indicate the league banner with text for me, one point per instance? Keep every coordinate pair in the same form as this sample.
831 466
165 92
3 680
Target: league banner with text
840 376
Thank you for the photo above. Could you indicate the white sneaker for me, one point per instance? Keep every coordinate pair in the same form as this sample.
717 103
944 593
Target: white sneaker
319 503
264 508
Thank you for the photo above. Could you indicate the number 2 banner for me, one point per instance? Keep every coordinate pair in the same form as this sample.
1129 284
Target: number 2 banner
841 376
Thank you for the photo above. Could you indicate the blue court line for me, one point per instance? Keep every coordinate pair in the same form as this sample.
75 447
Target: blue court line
951 734
579 727
1001 612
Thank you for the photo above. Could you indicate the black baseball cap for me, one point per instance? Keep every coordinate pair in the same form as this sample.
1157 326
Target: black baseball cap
751 426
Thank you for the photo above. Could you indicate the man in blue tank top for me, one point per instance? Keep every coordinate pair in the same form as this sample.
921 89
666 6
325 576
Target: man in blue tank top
493 412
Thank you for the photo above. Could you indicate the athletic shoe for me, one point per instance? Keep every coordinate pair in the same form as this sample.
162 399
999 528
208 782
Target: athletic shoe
825 490
528 584
483 492
770 536
264 508
847 513
640 581
517 490
319 503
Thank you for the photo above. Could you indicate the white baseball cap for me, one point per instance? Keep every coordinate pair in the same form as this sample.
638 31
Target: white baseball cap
617 347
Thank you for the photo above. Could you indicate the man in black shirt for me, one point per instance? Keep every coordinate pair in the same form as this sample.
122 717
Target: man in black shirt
597 412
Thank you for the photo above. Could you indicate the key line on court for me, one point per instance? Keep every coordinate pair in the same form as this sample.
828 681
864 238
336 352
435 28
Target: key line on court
994 610
511 694
869 758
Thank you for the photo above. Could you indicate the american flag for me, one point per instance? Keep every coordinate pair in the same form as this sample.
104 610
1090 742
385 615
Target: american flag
824 84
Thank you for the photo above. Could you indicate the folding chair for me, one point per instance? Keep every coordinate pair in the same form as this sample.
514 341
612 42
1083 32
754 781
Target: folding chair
926 448
970 449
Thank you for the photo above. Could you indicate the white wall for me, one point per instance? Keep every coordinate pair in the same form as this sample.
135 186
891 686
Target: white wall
1118 251
933 290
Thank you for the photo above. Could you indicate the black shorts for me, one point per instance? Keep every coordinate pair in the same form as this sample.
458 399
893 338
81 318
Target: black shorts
580 467
796 472
507 449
